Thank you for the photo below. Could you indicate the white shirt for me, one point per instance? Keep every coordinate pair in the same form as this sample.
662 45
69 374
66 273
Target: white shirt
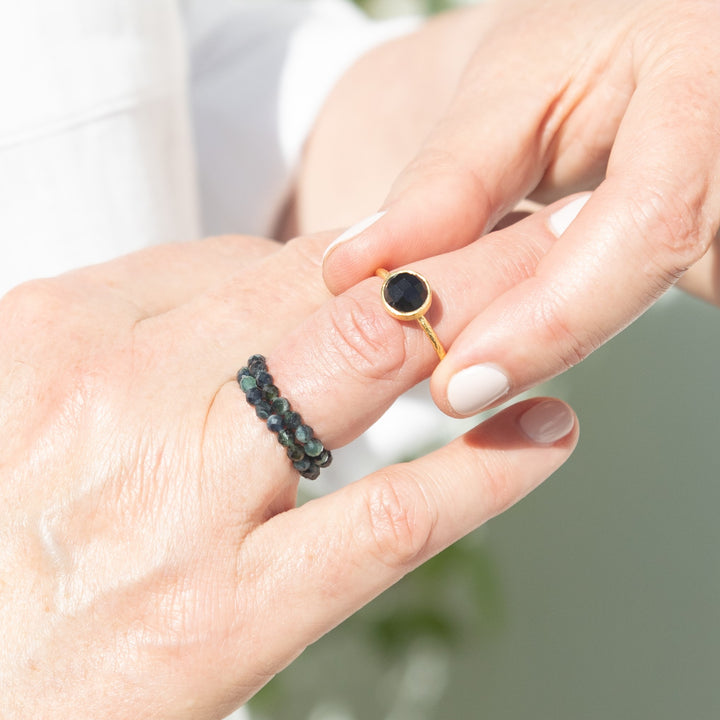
99 97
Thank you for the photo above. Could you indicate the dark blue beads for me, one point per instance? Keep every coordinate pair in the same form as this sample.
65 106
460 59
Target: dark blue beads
263 410
292 420
280 405
304 434
254 395
305 451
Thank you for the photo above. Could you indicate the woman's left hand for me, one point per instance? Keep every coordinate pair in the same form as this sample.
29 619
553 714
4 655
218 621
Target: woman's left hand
152 561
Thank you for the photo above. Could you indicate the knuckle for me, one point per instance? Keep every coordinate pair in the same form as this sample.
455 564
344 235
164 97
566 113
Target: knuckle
396 521
34 302
499 481
369 342
569 345
673 227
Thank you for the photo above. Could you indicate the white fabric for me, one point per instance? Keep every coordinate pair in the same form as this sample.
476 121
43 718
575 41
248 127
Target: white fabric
97 156
260 73
95 144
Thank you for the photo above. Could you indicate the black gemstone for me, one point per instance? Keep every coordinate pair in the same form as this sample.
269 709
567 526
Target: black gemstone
295 452
256 364
263 410
275 423
254 395
405 292
303 465
323 459
313 473
293 420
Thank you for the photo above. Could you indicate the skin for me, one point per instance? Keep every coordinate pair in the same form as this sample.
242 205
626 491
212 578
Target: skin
152 560
620 99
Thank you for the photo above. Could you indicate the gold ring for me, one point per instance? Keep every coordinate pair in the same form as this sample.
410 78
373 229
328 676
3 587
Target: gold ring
406 295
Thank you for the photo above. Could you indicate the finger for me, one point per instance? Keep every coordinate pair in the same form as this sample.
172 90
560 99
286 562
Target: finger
491 149
317 564
654 216
347 363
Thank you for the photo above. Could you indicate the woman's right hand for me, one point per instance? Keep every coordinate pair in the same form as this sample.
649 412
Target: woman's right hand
153 561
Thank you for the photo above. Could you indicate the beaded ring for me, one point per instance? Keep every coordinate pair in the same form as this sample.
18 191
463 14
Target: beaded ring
305 451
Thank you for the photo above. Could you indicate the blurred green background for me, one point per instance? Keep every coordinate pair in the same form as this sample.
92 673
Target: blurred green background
596 597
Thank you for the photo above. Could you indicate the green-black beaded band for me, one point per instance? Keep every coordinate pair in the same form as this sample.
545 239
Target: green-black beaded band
305 451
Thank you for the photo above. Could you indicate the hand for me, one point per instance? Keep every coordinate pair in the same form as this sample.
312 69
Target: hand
621 98
153 563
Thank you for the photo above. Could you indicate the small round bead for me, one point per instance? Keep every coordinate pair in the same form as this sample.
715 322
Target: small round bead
254 395
280 405
256 365
263 410
293 420
248 382
323 459
304 434
264 378
241 373
312 474
302 466
295 452
275 423
313 447
286 438
270 392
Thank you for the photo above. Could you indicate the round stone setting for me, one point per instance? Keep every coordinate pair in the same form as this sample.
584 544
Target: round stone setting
406 294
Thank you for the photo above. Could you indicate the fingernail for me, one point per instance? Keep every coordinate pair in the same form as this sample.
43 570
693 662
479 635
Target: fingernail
547 421
474 388
353 231
560 221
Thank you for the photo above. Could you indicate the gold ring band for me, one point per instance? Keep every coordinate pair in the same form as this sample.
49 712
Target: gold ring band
406 295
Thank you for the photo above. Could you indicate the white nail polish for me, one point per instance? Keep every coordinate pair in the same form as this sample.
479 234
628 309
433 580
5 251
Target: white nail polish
474 388
547 421
353 231
560 221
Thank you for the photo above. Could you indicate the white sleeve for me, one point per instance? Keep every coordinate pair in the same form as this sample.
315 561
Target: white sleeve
261 71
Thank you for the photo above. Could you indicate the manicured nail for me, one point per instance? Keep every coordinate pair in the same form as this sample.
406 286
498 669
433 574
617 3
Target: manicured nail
353 232
560 221
474 388
547 421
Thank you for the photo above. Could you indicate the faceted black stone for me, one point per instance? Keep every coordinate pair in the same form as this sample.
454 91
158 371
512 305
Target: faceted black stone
286 438
263 410
323 459
280 406
292 420
303 465
295 452
275 423
312 474
304 434
264 378
405 292
256 364
254 395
